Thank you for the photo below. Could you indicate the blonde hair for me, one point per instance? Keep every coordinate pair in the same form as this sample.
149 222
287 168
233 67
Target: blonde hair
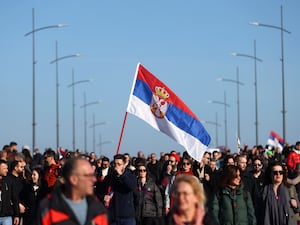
194 183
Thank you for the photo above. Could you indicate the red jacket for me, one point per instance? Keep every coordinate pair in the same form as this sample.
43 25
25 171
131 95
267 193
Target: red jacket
54 210
292 159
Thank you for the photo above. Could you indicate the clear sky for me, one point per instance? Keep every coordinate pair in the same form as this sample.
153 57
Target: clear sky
186 44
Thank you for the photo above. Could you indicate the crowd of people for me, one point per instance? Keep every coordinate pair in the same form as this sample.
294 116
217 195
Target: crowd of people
254 186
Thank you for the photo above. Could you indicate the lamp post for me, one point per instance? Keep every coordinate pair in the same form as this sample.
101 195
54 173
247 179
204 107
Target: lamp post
85 105
282 30
56 60
255 86
73 84
32 32
215 124
94 131
225 115
238 83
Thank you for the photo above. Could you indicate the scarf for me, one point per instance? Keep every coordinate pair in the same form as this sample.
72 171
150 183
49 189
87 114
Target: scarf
276 207
198 219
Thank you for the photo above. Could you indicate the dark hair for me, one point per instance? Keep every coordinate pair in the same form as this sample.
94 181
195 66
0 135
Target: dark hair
105 159
2 161
69 167
119 156
228 174
269 169
50 152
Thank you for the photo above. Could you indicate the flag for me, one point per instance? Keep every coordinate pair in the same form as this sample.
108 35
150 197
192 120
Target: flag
152 101
275 140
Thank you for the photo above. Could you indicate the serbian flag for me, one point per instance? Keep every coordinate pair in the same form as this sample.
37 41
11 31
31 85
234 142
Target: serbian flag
275 140
152 101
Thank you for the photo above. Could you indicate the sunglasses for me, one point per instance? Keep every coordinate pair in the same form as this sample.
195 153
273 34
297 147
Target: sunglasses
277 172
142 170
171 161
256 164
186 164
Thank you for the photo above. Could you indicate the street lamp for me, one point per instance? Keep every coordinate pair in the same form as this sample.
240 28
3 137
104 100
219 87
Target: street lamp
215 124
94 131
32 32
282 30
73 103
57 88
238 83
255 86
85 119
225 114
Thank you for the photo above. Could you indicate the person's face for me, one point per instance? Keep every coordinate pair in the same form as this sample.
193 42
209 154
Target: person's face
142 172
153 157
206 159
242 163
230 161
105 164
48 159
184 197
3 169
277 174
119 165
35 176
20 168
85 178
213 165
186 165
257 166
172 162
236 181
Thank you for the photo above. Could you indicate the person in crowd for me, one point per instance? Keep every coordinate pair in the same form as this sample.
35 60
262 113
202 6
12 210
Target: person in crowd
38 159
188 205
168 180
149 199
16 177
120 193
101 173
3 154
186 166
155 168
203 172
9 213
293 159
73 202
232 204
32 193
52 169
247 178
280 203
13 148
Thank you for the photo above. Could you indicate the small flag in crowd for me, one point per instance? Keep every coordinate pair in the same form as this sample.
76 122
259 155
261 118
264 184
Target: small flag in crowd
152 101
275 140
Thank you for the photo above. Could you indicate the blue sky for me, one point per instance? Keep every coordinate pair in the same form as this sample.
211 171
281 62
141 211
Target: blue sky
186 44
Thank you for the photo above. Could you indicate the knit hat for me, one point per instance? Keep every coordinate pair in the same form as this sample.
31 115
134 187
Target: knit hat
176 156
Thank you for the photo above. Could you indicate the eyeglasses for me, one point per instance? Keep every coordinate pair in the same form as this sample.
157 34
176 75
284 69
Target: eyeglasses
86 175
186 164
142 170
257 165
277 172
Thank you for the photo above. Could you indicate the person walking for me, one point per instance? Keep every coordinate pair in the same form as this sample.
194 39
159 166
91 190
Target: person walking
73 202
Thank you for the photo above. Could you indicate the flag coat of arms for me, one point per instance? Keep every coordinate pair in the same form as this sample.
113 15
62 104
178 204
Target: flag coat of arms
275 140
152 101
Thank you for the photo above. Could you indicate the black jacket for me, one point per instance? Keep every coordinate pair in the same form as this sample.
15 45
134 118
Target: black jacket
9 205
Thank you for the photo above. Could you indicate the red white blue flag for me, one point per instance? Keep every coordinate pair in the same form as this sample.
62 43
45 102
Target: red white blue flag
152 101
275 140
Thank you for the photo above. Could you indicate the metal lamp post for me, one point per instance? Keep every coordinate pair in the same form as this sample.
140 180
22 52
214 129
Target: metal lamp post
225 115
73 84
255 86
85 105
32 32
56 60
282 30
238 83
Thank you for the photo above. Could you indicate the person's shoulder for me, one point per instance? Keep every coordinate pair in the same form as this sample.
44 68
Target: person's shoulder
209 219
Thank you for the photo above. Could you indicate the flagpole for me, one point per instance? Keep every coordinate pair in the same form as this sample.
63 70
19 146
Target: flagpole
122 131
